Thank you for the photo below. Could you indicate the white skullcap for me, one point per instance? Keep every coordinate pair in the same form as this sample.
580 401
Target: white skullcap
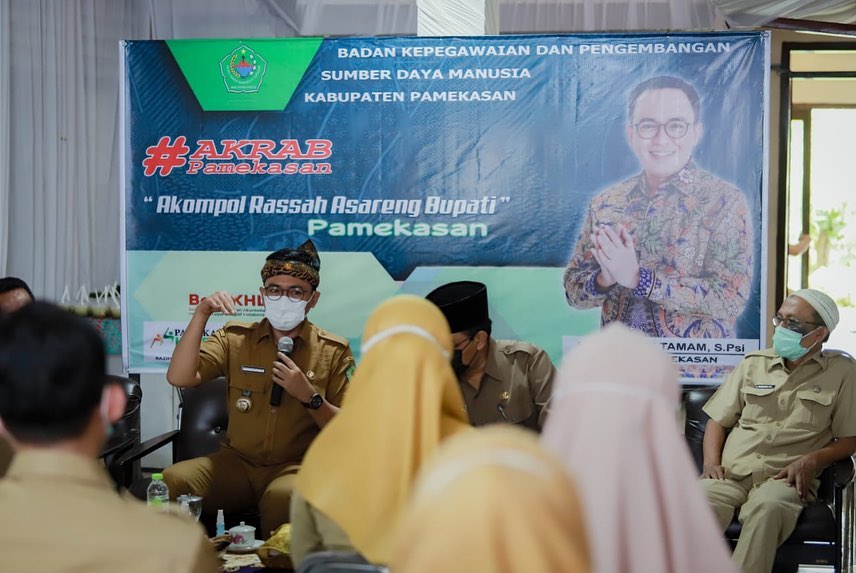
823 304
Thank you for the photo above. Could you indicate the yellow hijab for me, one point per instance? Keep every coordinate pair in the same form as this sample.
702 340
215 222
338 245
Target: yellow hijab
493 502
401 403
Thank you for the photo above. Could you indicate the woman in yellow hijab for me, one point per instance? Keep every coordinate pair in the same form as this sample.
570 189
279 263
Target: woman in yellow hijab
493 502
401 403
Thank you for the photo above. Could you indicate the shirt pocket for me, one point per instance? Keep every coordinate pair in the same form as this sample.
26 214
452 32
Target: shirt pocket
249 383
516 411
813 409
760 404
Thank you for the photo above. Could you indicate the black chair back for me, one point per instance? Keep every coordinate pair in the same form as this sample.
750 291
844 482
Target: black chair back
696 420
204 419
126 432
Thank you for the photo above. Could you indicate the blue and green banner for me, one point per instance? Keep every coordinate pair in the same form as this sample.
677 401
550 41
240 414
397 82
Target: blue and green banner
411 162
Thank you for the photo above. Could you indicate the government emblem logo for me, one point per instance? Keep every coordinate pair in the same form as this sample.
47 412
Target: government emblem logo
243 70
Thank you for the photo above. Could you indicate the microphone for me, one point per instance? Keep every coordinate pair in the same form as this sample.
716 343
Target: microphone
284 345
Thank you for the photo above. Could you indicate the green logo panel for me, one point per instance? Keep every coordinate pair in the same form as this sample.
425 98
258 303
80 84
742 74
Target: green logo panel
248 75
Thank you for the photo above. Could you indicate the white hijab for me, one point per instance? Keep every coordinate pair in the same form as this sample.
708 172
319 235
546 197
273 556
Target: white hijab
613 422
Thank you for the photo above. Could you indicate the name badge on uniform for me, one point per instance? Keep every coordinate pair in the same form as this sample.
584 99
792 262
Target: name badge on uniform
765 386
252 369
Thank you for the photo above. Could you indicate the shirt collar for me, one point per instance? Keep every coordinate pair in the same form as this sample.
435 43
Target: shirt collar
819 357
265 330
46 463
683 181
492 367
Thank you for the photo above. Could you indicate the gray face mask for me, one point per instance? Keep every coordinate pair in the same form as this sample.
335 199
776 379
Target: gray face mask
284 314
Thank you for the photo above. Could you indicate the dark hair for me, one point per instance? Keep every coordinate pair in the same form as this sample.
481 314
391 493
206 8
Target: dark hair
8 284
662 83
52 373
486 326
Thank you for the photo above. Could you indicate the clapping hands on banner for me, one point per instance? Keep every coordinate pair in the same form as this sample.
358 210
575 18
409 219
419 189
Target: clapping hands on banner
615 252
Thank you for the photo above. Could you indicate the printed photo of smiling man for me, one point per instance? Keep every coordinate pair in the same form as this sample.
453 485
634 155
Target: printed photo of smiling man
668 251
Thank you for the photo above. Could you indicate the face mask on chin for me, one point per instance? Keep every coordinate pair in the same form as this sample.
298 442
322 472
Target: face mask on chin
283 314
786 343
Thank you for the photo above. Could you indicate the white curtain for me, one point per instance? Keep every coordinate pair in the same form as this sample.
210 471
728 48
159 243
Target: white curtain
760 12
59 90
5 117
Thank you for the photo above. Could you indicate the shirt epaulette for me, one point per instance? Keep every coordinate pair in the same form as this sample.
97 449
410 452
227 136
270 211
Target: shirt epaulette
327 335
512 346
842 353
763 352
238 325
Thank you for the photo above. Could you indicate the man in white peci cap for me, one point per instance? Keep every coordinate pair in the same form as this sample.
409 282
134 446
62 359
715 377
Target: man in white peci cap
796 412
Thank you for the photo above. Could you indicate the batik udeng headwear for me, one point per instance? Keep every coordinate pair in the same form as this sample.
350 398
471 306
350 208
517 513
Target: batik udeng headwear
302 263
402 402
823 304
493 501
613 422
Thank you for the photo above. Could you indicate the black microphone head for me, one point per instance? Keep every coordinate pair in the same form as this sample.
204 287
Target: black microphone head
285 345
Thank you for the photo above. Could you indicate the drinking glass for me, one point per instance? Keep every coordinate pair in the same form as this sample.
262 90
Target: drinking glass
191 504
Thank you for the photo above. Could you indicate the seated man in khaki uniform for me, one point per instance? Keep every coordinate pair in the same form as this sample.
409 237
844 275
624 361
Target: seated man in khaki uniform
792 412
14 293
58 509
503 381
278 402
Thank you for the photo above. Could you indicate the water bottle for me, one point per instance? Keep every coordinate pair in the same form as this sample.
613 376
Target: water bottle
221 523
157 495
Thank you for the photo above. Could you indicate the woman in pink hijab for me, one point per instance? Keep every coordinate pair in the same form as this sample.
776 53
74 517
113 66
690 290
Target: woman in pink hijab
613 421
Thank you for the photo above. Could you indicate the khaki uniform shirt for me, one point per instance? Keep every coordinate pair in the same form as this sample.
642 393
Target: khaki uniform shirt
516 387
244 353
58 512
778 416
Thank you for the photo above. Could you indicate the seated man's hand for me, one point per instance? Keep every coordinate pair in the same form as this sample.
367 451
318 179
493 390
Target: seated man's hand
712 471
289 375
800 474
220 301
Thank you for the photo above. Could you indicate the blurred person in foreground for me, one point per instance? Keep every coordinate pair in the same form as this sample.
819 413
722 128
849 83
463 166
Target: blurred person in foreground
493 501
14 293
58 509
404 401
792 412
643 505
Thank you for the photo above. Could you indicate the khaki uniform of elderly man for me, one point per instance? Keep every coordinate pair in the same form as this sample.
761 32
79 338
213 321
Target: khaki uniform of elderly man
278 401
792 412
502 381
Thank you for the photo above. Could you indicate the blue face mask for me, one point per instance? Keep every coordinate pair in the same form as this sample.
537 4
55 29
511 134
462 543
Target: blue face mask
786 343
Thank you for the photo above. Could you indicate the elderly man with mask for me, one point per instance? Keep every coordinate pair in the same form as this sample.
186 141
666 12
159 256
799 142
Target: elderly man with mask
792 412
278 402
503 381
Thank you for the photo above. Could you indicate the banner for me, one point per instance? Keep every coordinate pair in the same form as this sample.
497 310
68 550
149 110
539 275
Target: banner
584 178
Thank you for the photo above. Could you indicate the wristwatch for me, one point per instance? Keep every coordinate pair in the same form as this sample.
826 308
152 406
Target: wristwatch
314 402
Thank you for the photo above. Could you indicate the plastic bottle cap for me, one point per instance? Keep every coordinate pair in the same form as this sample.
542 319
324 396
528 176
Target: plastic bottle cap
157 476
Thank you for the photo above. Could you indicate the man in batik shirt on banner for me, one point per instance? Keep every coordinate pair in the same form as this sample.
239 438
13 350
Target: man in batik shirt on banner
668 251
